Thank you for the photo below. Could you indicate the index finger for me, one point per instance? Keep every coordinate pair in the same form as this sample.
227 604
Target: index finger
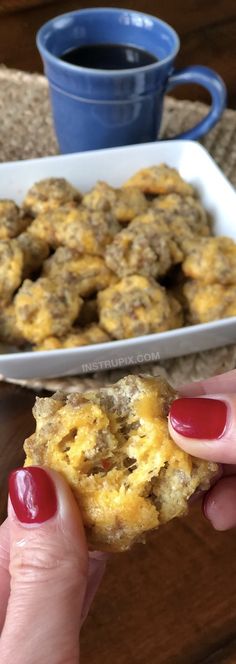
217 384
4 572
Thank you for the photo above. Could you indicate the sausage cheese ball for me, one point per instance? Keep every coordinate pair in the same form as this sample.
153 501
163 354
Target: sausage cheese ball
181 232
142 249
124 204
114 449
206 302
12 223
84 230
92 334
88 273
185 212
9 331
42 228
213 260
45 308
49 194
18 259
160 180
11 269
80 229
134 306
149 217
35 251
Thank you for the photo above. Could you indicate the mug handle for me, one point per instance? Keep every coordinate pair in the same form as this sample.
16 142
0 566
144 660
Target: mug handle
210 80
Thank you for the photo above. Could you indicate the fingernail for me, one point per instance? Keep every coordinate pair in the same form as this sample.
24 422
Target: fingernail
199 418
32 495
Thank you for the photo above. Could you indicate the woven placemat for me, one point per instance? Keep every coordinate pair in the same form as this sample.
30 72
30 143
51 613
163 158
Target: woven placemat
26 131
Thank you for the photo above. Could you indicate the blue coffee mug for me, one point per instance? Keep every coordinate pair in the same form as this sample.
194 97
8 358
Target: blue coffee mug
95 108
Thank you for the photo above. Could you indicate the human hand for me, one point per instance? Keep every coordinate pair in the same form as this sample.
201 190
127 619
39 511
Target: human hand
203 423
47 578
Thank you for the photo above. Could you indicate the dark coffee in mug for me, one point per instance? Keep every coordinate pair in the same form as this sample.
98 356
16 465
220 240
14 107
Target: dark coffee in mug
109 56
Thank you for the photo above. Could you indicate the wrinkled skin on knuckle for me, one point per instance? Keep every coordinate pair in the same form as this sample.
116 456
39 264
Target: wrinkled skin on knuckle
69 654
38 560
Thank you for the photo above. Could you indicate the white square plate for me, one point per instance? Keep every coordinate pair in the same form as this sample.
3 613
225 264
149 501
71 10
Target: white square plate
115 166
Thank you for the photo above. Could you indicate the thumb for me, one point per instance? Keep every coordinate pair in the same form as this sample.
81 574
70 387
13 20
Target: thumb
205 426
48 569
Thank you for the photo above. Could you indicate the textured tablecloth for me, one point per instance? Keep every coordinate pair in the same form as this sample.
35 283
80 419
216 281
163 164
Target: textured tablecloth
26 131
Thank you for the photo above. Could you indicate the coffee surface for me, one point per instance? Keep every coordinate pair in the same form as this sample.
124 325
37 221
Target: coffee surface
109 56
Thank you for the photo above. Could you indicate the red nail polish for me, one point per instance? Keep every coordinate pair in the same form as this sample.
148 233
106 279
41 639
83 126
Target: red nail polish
32 495
199 418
